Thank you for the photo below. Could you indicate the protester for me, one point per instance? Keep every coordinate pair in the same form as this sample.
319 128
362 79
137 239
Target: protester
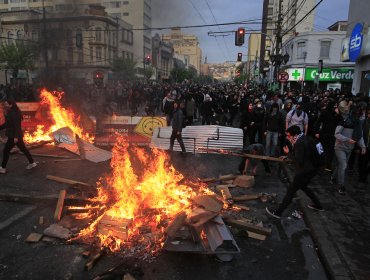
177 125
250 163
14 133
305 169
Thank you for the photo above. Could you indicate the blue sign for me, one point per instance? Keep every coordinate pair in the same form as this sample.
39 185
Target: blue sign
355 42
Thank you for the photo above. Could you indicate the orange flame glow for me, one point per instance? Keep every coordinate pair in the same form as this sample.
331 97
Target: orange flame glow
60 117
148 197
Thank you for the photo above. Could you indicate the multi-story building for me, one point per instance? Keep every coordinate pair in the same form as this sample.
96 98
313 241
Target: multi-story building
162 58
135 12
306 49
138 14
356 45
77 45
291 13
186 46
253 55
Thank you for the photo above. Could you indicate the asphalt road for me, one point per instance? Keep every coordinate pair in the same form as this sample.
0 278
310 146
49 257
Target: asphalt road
289 253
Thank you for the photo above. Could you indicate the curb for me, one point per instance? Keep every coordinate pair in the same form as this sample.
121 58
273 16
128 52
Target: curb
333 261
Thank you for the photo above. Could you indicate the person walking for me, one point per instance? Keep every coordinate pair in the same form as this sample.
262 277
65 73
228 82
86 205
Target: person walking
14 133
302 154
177 125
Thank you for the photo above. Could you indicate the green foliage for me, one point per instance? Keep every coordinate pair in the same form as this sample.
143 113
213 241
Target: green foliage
124 69
148 72
18 56
178 75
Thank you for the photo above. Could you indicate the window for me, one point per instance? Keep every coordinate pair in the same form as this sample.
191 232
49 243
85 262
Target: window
69 37
54 54
325 49
35 35
125 3
10 37
70 55
91 54
98 54
270 11
80 56
98 34
19 34
125 14
301 50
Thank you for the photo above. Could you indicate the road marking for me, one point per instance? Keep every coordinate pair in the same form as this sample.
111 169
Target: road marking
16 217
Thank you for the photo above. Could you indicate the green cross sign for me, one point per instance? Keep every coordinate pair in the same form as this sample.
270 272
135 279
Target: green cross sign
296 74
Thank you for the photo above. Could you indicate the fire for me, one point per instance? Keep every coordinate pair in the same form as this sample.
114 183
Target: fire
60 117
145 199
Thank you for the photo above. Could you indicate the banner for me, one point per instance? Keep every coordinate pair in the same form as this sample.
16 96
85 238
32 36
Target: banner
138 130
331 75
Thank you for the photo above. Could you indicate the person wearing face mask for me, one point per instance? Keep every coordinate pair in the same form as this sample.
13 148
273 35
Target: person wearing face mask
14 133
273 125
258 115
245 124
297 117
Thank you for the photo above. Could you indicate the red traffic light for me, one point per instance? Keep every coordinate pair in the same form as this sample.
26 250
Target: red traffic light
239 36
240 56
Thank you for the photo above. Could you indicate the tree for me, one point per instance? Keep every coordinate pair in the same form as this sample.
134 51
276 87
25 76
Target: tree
124 69
18 56
148 72
178 75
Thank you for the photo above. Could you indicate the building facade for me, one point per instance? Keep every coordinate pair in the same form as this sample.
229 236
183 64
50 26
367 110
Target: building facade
186 46
253 55
292 11
306 49
77 47
356 45
162 58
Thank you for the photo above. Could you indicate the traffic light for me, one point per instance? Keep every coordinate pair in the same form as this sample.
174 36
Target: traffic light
240 56
239 36
321 65
147 59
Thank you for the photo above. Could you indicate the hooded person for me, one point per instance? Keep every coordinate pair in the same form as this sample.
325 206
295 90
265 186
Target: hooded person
273 126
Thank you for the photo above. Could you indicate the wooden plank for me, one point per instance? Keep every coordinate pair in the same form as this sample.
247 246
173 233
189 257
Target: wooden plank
33 237
32 199
50 156
225 192
246 197
209 203
243 207
176 224
66 160
244 181
200 216
67 181
227 177
257 236
248 226
59 208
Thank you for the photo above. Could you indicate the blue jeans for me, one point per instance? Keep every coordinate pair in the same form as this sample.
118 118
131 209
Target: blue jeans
271 142
340 169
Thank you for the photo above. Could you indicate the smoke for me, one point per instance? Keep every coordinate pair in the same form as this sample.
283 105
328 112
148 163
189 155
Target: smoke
170 13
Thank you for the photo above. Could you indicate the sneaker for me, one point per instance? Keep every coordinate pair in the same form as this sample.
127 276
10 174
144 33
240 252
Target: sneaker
272 213
2 170
328 170
342 190
31 165
313 206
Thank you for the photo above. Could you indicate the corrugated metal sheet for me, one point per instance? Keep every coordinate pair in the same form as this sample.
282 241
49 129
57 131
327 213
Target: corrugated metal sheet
199 139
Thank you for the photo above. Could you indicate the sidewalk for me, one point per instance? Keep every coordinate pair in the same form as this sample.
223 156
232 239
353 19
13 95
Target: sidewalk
342 231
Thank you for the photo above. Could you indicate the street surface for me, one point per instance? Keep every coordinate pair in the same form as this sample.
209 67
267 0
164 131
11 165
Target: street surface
289 253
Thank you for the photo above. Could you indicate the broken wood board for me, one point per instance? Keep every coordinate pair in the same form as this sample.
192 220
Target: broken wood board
199 216
67 181
243 207
33 237
221 178
50 156
248 226
30 199
244 181
257 236
60 203
246 197
209 203
67 160
114 227
225 192
175 224
278 159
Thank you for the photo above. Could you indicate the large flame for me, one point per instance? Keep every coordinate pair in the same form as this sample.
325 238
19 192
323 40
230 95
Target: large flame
58 116
148 199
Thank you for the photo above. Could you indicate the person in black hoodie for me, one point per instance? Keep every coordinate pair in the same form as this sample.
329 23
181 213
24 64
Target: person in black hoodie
325 129
177 126
273 126
14 133
258 115
305 170
245 124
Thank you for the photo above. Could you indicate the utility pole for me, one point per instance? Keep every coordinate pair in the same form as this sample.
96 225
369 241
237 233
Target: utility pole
278 41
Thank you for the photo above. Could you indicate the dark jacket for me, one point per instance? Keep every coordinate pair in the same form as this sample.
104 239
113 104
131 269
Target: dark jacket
13 125
327 122
273 123
178 120
301 156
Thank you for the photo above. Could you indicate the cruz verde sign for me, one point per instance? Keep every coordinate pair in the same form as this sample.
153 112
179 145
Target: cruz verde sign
330 75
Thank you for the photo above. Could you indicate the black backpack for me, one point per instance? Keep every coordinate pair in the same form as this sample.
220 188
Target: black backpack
315 151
